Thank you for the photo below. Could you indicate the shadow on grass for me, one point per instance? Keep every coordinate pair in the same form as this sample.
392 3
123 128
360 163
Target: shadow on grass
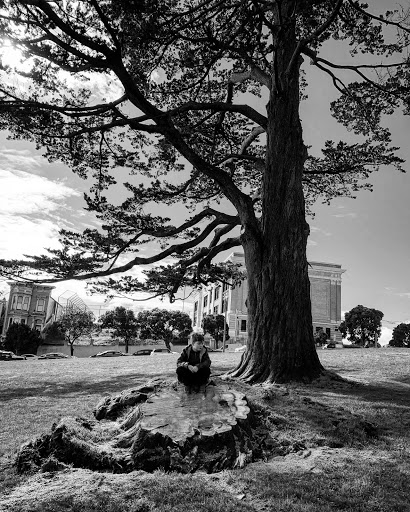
96 387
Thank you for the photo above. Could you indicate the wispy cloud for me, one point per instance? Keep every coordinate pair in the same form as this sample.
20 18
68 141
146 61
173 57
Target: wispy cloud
347 215
31 212
13 159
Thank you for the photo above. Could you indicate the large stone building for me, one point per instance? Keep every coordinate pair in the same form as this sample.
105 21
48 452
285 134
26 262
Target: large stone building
30 304
325 293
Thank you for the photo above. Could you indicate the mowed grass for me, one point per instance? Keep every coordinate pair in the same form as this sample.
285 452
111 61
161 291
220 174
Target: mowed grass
360 475
36 394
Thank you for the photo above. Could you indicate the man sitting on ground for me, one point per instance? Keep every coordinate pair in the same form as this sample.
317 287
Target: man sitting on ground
193 365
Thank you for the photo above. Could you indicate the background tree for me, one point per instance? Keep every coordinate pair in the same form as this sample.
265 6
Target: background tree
215 325
320 337
401 336
182 79
163 324
123 323
362 325
53 332
22 339
75 324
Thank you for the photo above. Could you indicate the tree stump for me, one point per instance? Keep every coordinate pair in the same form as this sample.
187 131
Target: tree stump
151 427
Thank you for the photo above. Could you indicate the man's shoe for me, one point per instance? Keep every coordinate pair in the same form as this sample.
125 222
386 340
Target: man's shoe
188 390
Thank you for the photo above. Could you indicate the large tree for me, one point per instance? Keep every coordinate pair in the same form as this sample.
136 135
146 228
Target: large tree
123 323
164 324
362 325
185 117
22 339
401 336
75 324
215 325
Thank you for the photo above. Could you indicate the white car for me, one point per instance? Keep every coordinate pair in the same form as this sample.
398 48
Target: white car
240 349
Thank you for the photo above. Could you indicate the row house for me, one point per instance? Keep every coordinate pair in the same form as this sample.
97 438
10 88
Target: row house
30 304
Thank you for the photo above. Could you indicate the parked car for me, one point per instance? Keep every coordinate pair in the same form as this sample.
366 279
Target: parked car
329 345
110 353
54 355
161 351
6 355
210 349
240 349
142 352
30 356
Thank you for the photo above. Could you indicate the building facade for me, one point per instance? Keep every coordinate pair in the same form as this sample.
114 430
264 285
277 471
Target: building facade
30 304
221 299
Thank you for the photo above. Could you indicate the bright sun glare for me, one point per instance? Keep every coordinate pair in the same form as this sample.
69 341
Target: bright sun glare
12 57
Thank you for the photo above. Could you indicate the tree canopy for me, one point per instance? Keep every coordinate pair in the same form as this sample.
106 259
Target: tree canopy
362 325
215 325
74 324
22 339
200 104
123 323
401 336
162 324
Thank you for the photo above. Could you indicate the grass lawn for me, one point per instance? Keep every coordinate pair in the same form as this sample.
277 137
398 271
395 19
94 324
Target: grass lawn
329 463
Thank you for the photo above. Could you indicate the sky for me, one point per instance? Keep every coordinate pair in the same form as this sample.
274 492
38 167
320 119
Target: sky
367 236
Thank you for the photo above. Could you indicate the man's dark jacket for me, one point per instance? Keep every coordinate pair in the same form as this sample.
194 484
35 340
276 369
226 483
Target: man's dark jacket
199 359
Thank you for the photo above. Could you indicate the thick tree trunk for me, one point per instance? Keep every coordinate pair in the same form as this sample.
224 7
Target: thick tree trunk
281 346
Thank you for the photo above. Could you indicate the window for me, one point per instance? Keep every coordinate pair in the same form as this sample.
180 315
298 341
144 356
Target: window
40 305
205 301
216 293
26 302
37 325
328 333
243 325
224 287
23 321
19 304
215 310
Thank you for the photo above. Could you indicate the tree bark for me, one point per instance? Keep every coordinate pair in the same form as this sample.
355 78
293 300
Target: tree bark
281 346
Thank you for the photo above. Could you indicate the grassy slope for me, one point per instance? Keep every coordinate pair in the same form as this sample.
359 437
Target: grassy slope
355 473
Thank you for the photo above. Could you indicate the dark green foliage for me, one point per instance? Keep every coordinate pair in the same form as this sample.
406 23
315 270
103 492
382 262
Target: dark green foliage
401 336
123 323
362 325
22 339
215 325
164 324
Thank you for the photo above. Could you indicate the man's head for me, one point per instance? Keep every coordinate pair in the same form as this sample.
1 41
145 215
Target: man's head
197 341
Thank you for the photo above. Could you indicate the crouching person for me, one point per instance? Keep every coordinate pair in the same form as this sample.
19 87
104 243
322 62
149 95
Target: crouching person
193 365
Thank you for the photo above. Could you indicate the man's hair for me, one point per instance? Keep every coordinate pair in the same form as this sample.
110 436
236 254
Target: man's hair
197 336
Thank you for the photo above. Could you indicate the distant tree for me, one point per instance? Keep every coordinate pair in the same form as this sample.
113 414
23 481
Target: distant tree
53 332
20 339
123 323
74 324
362 325
401 336
320 337
214 325
162 324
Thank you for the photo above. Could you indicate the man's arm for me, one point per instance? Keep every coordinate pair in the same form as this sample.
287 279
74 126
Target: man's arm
183 358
